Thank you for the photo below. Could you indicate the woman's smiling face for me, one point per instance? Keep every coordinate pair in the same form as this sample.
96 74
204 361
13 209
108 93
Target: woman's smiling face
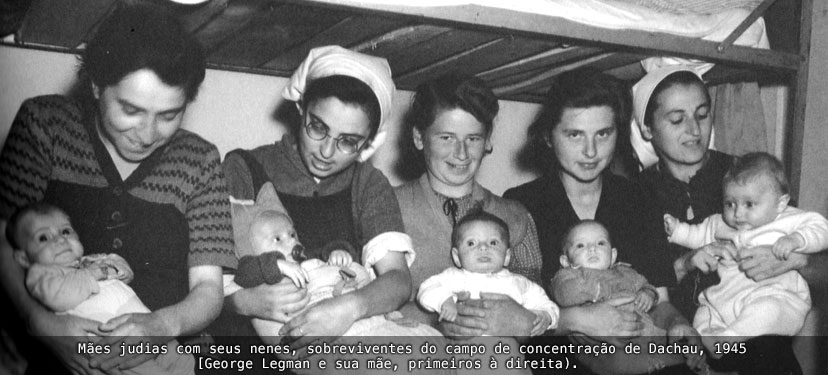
453 147
139 115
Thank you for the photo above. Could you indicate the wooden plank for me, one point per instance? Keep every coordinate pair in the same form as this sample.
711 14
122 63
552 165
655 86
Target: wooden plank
229 22
479 58
743 26
272 31
541 25
348 32
436 49
536 63
796 158
398 40
600 62
196 18
65 23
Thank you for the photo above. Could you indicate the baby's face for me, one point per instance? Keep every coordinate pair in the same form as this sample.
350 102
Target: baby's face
49 239
482 248
752 204
273 233
588 246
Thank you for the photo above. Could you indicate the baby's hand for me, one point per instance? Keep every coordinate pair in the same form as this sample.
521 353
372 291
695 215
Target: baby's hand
340 258
785 245
293 271
541 322
644 300
448 310
670 224
99 271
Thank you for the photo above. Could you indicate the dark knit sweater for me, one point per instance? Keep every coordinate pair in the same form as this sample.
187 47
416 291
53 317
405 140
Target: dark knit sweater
171 213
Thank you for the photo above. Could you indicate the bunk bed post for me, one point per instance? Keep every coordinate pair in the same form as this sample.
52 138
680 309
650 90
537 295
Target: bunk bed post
809 133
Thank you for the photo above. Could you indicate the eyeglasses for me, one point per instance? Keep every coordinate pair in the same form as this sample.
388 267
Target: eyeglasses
347 144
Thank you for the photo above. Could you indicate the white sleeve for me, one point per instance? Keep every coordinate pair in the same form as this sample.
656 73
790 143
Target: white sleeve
814 228
383 243
536 300
437 289
694 236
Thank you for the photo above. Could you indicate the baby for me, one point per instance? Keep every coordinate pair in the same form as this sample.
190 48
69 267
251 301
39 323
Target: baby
591 274
756 212
279 253
329 272
480 248
92 287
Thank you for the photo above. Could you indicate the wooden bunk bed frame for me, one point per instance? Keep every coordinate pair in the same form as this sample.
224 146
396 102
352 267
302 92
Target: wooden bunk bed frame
523 52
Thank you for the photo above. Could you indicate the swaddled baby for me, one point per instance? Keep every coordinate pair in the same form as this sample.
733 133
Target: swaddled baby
279 254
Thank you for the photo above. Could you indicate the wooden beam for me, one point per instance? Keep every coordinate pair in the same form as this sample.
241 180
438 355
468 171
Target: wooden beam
62 23
515 22
808 154
749 20
348 32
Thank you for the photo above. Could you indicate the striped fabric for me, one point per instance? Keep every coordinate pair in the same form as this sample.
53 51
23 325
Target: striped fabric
48 141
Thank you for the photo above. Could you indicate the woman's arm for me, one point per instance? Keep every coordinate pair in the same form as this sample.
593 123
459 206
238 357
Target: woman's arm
333 317
201 306
759 263
61 333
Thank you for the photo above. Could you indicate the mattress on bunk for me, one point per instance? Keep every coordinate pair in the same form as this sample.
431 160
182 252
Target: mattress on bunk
706 19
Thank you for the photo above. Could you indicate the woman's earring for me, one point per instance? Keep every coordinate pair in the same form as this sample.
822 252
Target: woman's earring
489 149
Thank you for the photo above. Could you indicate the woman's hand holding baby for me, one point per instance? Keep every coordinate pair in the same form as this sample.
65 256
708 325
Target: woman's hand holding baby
706 258
294 272
340 258
133 330
670 223
65 332
275 302
685 334
541 323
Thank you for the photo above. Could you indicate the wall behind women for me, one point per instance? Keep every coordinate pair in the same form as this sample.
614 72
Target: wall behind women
238 110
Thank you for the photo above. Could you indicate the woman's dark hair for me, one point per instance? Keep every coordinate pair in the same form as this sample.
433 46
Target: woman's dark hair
449 92
578 89
348 90
677 78
139 37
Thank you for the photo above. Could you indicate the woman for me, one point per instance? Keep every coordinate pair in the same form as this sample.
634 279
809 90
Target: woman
673 112
577 132
452 119
673 107
134 182
330 192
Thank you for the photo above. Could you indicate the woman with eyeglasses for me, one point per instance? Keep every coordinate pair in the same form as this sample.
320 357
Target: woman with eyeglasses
331 193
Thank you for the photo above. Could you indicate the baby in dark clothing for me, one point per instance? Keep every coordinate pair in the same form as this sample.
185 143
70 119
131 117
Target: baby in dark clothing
279 254
591 274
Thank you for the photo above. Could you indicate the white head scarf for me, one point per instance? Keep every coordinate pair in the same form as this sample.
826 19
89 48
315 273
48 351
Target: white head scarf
335 60
657 70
